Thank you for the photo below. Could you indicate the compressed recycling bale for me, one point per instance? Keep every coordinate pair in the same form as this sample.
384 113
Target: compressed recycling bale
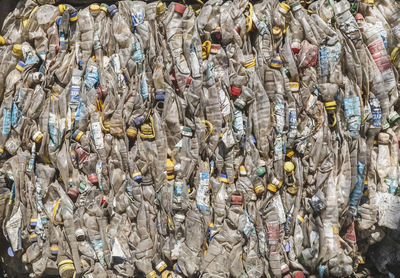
200 139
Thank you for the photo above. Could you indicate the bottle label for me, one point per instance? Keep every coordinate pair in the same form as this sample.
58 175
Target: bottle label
6 121
137 19
97 135
353 114
91 76
194 62
203 192
292 123
144 90
224 103
16 116
178 187
53 129
279 117
75 89
238 122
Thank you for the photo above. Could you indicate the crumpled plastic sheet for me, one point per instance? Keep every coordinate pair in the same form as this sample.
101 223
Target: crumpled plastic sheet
204 139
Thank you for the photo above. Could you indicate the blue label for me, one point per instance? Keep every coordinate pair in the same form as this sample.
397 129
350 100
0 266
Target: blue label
178 190
6 121
137 18
353 114
15 116
143 87
376 113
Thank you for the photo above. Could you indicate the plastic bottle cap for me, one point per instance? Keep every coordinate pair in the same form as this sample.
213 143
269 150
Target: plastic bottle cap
284 8
295 6
292 189
82 187
290 154
369 1
54 249
359 17
112 10
272 187
80 234
160 9
179 8
259 189
17 49
37 137
33 238
160 96
288 166
224 178
73 192
94 8
33 222
10 252
2 41
261 171
137 176
240 104
104 7
93 178
20 66
236 91
161 266
242 170
215 48
276 62
73 17
77 135
294 86
236 200
151 274
276 31
295 47
131 132
62 8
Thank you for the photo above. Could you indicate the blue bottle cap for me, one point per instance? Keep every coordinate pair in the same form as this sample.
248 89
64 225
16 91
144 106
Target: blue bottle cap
138 121
112 10
160 96
10 252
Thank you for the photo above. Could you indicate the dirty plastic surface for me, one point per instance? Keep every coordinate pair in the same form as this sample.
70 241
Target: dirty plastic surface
215 139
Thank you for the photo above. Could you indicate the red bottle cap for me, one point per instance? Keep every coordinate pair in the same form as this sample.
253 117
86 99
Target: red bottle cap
237 200
93 178
298 274
179 8
73 192
236 91
189 80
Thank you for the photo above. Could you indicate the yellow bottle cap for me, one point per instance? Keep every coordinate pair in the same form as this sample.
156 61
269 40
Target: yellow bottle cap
160 9
288 166
271 187
131 133
37 137
94 8
276 31
17 49
285 6
170 165
62 8
290 153
292 189
2 41
151 274
259 189
103 8
294 86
